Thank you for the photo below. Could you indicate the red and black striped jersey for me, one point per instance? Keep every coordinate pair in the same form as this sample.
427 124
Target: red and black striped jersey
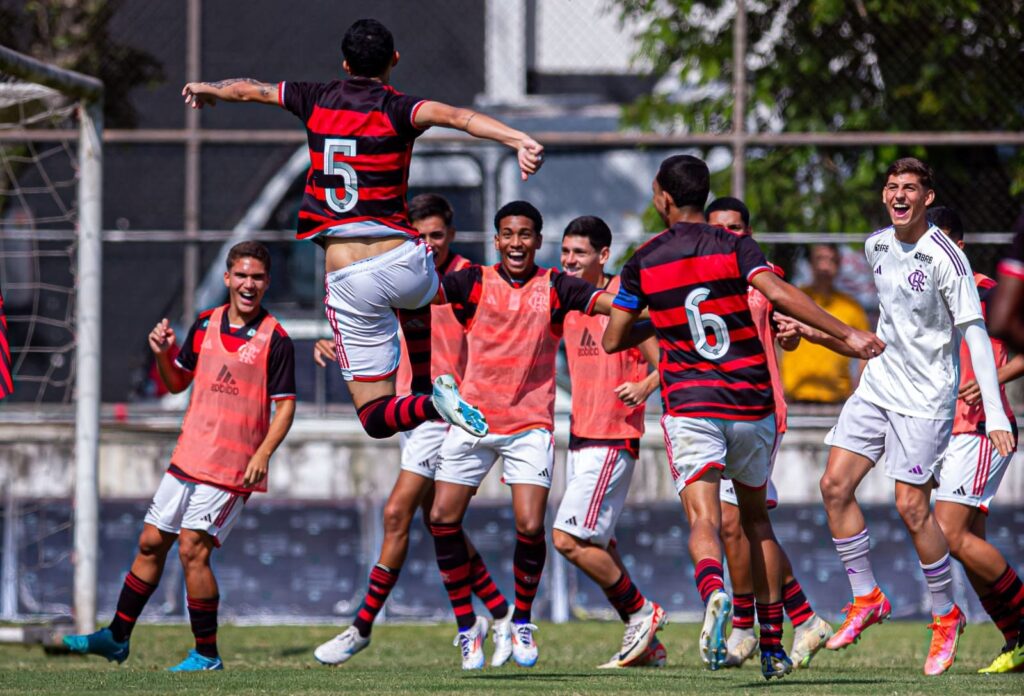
693 278
360 134
6 369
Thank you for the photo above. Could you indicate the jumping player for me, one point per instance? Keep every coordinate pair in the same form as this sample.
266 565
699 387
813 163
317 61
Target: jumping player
810 631
608 397
905 405
715 386
431 215
239 360
513 313
361 132
968 476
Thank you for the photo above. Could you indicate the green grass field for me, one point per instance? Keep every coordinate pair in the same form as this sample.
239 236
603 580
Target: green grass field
421 659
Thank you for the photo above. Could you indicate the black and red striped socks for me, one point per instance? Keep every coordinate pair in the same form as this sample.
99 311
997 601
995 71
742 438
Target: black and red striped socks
416 331
708 575
387 415
453 562
625 597
769 619
483 587
382 581
1004 603
743 611
527 566
795 602
134 595
202 614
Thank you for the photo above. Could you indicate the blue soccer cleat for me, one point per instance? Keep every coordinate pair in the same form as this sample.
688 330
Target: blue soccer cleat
775 663
454 410
100 643
197 663
712 644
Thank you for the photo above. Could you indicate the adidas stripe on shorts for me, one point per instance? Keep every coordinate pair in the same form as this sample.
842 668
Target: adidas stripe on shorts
182 504
597 481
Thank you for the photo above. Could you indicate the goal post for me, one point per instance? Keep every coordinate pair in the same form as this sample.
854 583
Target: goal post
88 92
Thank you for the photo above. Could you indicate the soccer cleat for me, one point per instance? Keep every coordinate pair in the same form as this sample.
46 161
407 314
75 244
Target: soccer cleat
712 634
524 649
341 647
742 646
946 632
775 663
654 656
471 643
808 639
501 636
1011 659
454 410
865 611
640 633
197 663
100 643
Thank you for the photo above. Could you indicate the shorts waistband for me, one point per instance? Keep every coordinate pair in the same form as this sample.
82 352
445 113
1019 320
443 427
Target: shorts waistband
408 246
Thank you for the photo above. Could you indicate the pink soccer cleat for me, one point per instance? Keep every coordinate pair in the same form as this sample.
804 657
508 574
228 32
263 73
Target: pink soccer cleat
946 632
865 611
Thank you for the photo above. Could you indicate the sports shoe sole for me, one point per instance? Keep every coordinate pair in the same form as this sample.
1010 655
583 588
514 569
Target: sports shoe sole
713 648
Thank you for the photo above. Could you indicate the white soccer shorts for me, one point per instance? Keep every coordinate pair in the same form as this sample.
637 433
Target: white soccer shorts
527 457
911 444
181 505
597 480
741 450
361 302
970 471
421 448
727 492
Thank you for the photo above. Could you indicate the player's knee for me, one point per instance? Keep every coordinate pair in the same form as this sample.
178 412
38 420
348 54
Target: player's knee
442 513
914 513
956 535
834 489
192 551
530 527
151 543
396 519
731 529
566 544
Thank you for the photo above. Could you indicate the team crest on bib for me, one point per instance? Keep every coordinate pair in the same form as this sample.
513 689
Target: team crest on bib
536 300
247 353
916 280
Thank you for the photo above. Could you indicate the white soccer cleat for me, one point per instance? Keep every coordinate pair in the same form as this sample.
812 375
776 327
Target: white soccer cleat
741 646
501 636
655 656
808 639
524 649
471 643
454 410
712 643
341 647
640 632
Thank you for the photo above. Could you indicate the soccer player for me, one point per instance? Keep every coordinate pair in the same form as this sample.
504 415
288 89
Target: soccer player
431 215
607 422
810 630
719 410
239 361
513 313
361 132
968 476
6 380
905 404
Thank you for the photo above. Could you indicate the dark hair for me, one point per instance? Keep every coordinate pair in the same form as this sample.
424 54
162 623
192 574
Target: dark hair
522 208
593 228
947 219
430 205
250 249
912 165
686 179
729 203
834 248
368 47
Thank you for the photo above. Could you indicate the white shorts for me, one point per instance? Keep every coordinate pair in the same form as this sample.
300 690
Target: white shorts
527 457
970 471
740 450
361 302
727 492
181 505
911 445
421 447
597 480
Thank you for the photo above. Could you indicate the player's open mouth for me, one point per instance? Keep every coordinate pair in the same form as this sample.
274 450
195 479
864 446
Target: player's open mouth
516 257
900 209
247 297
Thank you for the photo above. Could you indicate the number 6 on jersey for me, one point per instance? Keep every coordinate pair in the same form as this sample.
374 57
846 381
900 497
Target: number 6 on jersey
700 324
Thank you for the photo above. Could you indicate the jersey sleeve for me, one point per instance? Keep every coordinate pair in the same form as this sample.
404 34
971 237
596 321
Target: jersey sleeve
299 97
955 282
630 297
187 353
401 111
750 258
281 367
462 290
571 295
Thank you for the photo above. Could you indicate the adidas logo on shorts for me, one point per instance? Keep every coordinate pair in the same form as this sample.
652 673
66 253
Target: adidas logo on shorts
225 383
588 346
571 521
960 491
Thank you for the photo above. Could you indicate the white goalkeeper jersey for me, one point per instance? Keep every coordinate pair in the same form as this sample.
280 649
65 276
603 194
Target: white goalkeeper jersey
925 291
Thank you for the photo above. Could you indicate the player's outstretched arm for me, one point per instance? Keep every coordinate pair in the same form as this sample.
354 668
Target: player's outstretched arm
529 152
979 345
790 327
862 344
1013 369
234 89
625 330
162 342
280 424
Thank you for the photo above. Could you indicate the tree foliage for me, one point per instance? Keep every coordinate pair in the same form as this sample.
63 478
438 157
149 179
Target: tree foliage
838 65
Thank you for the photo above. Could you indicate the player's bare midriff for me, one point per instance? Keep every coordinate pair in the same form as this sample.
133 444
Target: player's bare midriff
340 253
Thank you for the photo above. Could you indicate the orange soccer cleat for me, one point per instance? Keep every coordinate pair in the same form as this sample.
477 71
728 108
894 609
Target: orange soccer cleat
946 632
865 611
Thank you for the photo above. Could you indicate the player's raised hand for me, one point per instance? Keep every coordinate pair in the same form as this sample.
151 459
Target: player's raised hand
161 338
1003 441
197 95
531 157
323 352
864 344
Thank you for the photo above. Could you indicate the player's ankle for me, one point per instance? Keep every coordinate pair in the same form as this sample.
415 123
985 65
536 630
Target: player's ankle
870 598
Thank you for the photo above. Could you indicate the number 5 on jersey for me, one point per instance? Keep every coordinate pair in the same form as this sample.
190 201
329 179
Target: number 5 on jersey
701 324
346 148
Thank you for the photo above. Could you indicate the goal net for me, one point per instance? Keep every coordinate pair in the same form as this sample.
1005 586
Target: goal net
50 261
